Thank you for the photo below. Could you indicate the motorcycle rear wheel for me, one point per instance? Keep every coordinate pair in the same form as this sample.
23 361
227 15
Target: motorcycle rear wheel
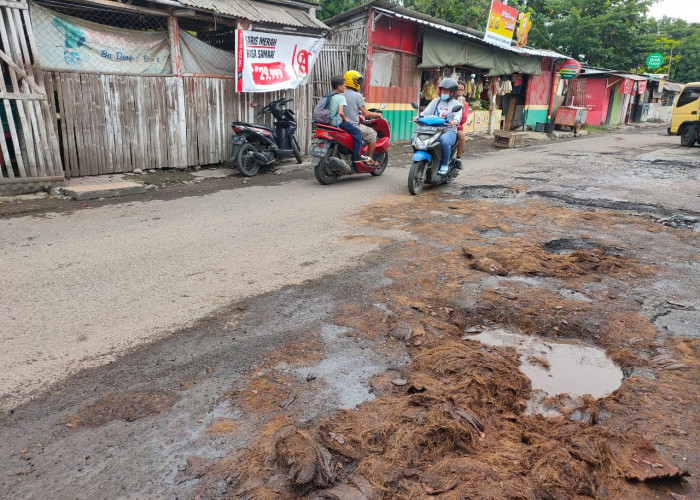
323 173
246 163
296 150
382 167
416 176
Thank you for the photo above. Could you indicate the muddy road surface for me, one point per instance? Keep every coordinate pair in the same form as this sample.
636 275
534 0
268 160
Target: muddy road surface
528 331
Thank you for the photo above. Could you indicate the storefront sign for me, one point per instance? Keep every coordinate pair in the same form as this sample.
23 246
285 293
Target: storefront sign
65 42
268 61
655 60
501 25
569 69
626 87
524 26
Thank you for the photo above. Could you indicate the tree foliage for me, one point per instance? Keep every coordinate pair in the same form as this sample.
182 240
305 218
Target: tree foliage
615 34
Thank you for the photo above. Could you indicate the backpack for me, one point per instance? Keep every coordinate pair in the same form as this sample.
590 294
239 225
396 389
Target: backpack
321 112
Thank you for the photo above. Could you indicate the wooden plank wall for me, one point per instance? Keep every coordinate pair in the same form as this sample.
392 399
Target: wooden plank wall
118 123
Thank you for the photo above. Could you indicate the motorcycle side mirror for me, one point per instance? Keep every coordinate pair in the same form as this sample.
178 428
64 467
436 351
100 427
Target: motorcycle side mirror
254 104
457 108
382 106
414 105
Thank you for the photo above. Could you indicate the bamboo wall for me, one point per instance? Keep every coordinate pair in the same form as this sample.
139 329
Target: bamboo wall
118 123
29 154
345 49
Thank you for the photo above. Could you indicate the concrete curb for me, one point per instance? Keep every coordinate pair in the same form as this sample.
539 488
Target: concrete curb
107 190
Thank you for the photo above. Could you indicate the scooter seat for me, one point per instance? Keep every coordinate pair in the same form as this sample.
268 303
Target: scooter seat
323 125
256 125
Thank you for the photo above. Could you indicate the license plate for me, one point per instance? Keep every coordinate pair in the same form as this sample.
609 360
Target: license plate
319 149
424 129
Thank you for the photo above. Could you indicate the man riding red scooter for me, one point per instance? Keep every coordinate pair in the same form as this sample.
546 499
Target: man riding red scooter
332 151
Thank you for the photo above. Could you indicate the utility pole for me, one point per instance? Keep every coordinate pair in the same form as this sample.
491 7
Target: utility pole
670 60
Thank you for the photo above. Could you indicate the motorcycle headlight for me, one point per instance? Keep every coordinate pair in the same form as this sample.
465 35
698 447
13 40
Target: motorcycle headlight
421 141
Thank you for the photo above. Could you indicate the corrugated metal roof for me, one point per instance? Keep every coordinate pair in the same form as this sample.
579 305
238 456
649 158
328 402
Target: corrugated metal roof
673 86
527 51
440 25
631 76
260 12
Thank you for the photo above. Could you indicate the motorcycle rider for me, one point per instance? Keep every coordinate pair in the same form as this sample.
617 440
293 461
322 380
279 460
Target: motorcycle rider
442 106
356 105
337 108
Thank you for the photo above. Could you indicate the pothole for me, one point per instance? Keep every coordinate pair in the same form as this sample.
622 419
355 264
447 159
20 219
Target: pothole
491 233
558 366
564 246
680 218
474 192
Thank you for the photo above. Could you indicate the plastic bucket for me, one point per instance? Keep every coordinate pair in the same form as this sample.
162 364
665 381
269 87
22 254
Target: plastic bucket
539 127
548 128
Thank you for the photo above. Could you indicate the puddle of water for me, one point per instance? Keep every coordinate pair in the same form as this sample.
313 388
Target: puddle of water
574 368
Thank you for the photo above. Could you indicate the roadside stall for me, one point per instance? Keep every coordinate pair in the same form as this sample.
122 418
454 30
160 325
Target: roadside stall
404 53
123 86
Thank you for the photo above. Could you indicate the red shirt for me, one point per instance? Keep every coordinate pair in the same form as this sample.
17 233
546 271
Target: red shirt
465 115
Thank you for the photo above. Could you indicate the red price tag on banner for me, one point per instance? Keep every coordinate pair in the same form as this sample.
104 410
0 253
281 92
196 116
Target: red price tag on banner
269 73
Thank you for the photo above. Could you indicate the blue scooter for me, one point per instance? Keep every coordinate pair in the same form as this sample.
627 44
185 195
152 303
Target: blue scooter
427 153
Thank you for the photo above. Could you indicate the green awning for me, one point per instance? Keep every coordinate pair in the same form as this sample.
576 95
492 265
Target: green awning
441 50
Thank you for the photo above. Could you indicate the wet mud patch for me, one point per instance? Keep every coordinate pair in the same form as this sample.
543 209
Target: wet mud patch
557 258
129 407
686 219
455 420
562 246
476 192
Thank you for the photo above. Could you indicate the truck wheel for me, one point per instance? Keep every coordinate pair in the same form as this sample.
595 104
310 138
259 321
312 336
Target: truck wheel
689 136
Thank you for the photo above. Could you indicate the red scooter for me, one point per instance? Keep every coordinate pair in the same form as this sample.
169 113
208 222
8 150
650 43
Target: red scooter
331 152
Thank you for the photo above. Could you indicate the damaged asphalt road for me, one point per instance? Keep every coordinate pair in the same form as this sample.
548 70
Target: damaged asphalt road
592 243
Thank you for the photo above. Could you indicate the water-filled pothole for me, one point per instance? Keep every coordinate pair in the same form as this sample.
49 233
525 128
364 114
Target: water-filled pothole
562 246
558 366
474 192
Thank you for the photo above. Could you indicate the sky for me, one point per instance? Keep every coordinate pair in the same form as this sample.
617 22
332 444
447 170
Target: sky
689 10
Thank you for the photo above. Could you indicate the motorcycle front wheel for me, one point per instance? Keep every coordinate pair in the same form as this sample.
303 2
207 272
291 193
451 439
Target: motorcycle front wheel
323 172
246 163
296 150
416 176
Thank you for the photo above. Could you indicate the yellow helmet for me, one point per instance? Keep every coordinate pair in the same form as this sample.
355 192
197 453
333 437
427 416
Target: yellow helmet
354 79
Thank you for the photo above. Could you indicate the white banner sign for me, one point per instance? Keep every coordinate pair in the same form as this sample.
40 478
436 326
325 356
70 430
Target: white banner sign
65 42
268 61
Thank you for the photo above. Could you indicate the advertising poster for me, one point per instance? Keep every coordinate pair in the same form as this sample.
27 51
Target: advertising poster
65 42
501 25
270 61
626 87
523 28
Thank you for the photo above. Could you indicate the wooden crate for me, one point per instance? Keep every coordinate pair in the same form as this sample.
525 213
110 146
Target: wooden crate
503 139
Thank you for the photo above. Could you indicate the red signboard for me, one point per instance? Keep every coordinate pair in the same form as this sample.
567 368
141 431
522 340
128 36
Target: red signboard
641 87
626 87
569 69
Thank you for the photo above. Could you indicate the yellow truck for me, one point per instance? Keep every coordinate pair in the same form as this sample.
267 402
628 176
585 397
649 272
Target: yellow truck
685 117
